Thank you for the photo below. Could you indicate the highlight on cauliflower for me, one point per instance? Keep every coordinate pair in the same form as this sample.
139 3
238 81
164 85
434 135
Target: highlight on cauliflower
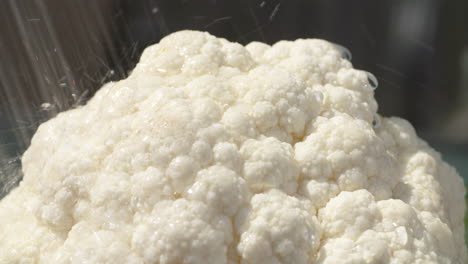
212 152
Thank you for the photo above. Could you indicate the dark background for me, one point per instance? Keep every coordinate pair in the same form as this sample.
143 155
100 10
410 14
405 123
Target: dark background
55 54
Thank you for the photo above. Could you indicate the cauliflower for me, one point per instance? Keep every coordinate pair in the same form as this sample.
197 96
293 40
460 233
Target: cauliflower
211 152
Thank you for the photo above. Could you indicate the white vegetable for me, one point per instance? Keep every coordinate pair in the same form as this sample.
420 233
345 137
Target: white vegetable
211 152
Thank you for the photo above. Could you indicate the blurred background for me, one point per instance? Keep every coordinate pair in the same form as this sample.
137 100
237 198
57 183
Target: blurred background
54 54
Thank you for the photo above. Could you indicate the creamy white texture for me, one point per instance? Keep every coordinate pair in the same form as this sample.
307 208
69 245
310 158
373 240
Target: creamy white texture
211 152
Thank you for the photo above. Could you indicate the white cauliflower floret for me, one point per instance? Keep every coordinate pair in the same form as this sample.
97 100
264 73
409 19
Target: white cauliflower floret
347 151
211 152
278 103
279 229
348 214
221 189
268 164
85 239
182 231
360 230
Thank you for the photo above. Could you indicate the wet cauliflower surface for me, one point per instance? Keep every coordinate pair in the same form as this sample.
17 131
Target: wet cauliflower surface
211 152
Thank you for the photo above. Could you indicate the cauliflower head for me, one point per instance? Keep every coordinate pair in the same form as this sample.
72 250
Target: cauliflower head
212 152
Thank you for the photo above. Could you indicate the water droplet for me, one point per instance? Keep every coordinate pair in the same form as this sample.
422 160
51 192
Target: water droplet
401 235
376 121
162 70
46 106
345 53
373 83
